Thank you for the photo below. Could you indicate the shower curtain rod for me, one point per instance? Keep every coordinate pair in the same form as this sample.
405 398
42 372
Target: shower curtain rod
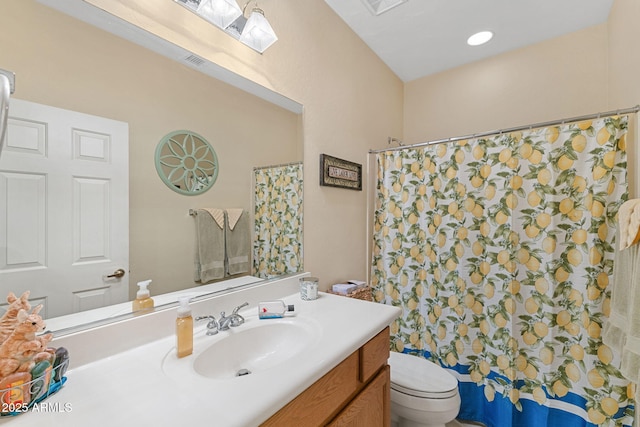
514 129
255 168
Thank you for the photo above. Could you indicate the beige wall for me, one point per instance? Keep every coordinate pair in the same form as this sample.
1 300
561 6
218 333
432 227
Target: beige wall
68 64
352 102
562 77
624 71
624 55
585 72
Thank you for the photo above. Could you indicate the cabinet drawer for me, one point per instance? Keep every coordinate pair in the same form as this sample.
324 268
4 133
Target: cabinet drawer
374 355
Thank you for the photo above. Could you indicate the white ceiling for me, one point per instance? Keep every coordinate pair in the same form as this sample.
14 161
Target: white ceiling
423 37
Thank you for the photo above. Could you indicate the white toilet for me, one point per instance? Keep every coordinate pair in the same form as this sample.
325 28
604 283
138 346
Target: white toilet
423 394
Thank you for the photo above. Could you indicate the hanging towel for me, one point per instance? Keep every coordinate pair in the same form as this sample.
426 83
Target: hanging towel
233 217
629 221
209 251
217 215
621 331
238 241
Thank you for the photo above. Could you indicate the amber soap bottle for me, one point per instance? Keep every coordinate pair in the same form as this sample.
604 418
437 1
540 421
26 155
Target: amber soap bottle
184 329
143 301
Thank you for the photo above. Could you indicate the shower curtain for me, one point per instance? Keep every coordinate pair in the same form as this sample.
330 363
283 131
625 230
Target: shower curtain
277 248
499 251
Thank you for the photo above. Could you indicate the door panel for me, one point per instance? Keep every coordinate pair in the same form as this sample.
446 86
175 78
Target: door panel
24 226
64 208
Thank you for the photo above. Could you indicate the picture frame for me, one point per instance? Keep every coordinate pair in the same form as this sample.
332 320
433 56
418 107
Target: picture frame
335 172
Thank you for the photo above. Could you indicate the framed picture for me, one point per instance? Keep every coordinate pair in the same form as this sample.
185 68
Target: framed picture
340 173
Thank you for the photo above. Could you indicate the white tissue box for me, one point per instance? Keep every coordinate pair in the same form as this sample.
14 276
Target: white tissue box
343 288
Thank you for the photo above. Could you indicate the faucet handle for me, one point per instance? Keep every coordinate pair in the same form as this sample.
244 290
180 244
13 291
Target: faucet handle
235 310
212 326
236 319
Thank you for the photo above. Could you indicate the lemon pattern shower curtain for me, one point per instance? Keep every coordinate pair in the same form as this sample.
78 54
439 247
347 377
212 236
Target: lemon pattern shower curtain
277 247
499 251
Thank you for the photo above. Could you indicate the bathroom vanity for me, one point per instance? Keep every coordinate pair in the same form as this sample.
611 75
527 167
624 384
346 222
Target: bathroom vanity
357 391
324 365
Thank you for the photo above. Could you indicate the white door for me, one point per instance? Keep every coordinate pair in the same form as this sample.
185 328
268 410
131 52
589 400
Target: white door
64 208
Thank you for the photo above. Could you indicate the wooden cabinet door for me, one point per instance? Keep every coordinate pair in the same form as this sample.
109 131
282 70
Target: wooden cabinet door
374 355
318 403
370 408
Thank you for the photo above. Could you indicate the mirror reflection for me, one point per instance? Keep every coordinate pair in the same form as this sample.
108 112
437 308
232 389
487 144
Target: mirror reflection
87 95
186 162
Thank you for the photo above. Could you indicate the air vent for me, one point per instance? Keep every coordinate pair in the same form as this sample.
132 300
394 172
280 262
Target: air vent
195 60
378 7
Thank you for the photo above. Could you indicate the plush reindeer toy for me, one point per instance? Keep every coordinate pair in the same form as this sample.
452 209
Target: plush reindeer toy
23 348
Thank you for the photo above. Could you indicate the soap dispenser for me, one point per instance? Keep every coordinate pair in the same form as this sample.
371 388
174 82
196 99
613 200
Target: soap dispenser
143 301
184 328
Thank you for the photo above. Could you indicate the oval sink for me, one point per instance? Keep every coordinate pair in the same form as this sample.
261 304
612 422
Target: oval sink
251 350
245 351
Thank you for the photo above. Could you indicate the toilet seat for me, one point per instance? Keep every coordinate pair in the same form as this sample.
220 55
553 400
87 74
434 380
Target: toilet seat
419 377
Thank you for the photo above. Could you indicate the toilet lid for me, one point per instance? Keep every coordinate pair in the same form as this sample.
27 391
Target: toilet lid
420 377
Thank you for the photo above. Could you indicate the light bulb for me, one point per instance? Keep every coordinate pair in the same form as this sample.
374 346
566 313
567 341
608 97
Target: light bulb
479 38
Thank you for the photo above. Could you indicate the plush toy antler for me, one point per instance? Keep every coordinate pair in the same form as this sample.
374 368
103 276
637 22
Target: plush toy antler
9 319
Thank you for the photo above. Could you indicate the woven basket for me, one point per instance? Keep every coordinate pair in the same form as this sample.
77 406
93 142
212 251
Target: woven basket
363 293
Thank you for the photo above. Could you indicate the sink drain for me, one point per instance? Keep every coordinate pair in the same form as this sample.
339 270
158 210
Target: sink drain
242 372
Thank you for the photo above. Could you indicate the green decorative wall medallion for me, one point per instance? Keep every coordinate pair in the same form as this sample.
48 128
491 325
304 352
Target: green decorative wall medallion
186 162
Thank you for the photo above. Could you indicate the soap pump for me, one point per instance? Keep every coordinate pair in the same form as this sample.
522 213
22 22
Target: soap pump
143 301
184 328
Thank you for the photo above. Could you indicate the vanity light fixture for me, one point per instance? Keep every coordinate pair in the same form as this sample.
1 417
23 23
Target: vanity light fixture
255 31
479 38
219 12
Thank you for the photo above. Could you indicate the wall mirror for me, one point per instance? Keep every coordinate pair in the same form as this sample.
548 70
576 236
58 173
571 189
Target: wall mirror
69 65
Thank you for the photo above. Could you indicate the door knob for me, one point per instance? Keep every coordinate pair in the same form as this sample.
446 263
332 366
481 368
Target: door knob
117 274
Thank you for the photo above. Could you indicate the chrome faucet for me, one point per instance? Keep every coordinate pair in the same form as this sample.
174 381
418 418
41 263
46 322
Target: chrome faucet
233 320
212 326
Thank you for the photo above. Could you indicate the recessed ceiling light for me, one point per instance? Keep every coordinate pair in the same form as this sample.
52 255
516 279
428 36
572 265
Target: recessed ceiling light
479 38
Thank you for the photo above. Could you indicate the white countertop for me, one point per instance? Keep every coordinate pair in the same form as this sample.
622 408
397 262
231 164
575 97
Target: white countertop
131 387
